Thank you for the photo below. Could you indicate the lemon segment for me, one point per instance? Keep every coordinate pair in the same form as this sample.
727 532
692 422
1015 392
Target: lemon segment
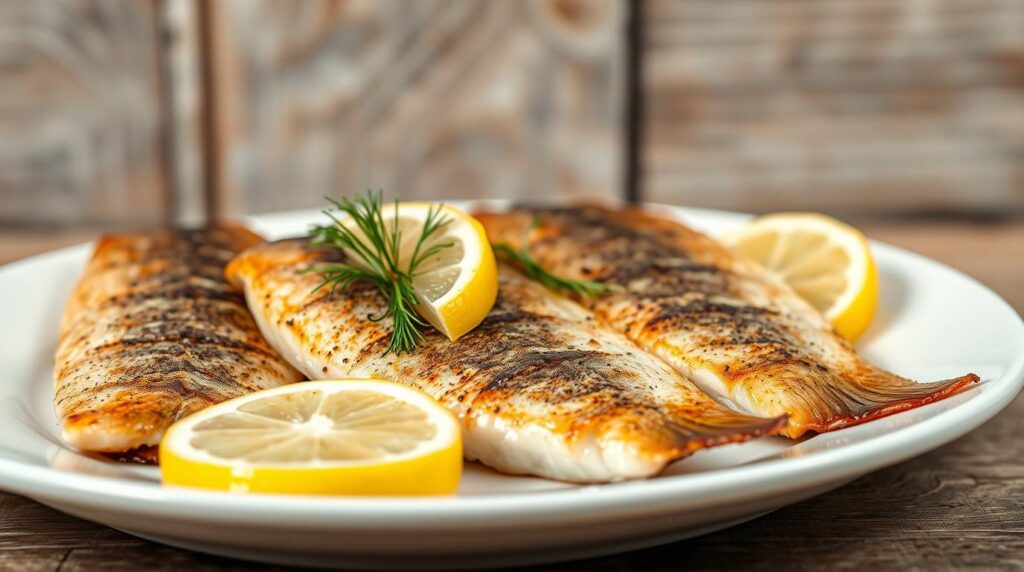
343 437
457 286
827 262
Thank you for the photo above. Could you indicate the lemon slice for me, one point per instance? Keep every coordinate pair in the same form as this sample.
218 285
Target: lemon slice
826 261
351 437
457 286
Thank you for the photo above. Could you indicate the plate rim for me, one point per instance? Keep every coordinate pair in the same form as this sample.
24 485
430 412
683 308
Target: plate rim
694 490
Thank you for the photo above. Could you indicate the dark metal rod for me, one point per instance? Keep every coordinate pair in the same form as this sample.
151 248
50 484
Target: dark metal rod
210 129
634 103
168 118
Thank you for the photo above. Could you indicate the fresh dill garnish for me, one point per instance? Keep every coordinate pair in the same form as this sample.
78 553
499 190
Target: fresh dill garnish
372 247
522 258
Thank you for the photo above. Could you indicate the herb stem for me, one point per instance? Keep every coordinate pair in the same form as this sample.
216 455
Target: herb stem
372 245
533 270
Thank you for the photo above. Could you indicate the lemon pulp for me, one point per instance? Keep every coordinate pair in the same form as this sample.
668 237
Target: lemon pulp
457 286
353 437
827 262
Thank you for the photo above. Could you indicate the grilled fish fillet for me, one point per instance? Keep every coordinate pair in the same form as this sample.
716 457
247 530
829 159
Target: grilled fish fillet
153 332
541 387
722 321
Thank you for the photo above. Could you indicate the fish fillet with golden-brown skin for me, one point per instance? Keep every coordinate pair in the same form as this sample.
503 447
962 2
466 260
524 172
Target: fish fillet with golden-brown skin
540 386
721 320
152 332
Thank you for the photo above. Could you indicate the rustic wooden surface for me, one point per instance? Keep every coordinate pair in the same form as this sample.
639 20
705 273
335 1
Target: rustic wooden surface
959 506
81 114
434 98
853 105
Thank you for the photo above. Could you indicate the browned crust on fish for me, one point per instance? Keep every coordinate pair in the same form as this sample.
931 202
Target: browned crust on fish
527 363
701 307
153 332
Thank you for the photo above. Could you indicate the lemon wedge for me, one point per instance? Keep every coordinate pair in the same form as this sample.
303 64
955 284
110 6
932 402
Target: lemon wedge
826 261
345 437
456 287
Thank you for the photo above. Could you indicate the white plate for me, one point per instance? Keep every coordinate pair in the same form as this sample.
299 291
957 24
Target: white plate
933 323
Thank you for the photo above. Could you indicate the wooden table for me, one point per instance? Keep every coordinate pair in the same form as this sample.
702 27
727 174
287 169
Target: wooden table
961 505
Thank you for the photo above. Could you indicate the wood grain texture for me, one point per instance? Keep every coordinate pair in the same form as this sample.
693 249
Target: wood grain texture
844 105
959 506
80 114
21 243
438 99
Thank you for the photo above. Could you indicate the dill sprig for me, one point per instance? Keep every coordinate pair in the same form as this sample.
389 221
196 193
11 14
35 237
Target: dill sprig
372 247
522 258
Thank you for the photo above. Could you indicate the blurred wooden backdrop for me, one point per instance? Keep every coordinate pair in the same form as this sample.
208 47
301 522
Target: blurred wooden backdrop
127 113
81 133
429 99
851 106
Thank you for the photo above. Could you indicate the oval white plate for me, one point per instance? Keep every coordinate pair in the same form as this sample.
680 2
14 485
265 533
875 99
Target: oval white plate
933 323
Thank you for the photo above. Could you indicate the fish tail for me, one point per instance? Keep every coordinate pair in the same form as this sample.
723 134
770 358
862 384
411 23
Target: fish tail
720 426
879 396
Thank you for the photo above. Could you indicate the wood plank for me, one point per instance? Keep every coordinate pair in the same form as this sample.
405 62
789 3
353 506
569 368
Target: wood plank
80 114
850 105
34 560
438 99
18 244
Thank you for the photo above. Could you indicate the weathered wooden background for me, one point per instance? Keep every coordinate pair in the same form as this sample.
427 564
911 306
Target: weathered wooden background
117 112
852 106
81 129
436 98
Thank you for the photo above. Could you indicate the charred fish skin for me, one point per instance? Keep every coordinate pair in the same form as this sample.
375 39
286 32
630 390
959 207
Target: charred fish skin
153 332
721 320
540 386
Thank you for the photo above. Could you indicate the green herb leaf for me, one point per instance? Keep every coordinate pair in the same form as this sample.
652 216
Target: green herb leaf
528 265
372 245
